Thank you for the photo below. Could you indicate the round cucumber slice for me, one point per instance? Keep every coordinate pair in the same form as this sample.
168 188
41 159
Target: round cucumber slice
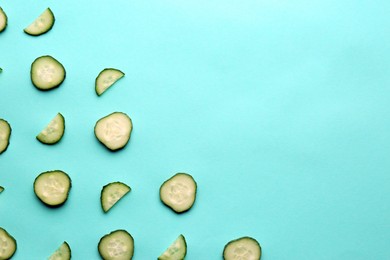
3 20
54 131
118 245
106 79
242 248
112 193
176 251
47 73
5 135
7 244
42 24
62 253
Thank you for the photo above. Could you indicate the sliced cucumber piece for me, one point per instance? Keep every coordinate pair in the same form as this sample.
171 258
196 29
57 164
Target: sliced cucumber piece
114 130
1 189
47 73
62 253
5 135
176 251
54 131
245 248
118 245
112 193
106 79
179 192
3 20
52 187
42 24
7 245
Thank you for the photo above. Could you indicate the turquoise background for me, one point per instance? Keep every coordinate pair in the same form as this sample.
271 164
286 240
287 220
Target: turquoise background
279 110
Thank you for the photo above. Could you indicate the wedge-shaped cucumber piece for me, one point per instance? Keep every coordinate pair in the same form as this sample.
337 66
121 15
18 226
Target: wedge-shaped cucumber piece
176 251
3 20
42 24
118 245
1 189
114 130
7 245
106 79
242 248
54 131
52 187
5 135
179 192
62 253
112 193
47 73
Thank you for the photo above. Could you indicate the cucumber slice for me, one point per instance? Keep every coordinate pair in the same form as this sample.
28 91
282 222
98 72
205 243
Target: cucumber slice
52 187
47 73
106 79
3 20
114 130
112 193
179 192
62 253
7 245
54 131
1 189
242 248
176 251
42 24
118 245
5 135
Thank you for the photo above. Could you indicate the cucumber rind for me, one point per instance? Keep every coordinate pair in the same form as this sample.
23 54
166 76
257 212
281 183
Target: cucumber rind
176 251
107 193
5 135
171 203
3 20
126 238
38 81
1 189
46 199
246 239
101 86
47 25
4 235
50 136
63 252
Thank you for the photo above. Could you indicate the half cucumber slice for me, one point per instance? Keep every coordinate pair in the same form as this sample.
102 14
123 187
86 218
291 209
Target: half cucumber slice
52 187
42 24
112 193
106 79
7 244
118 245
242 248
179 192
47 73
62 253
114 130
54 131
5 135
176 251
3 20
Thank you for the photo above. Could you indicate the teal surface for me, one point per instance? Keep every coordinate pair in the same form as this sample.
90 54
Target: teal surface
278 109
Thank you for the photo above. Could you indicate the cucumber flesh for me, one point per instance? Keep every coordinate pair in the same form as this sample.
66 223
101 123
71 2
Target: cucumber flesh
62 253
106 79
47 73
42 24
114 130
3 20
52 187
118 245
5 135
179 192
54 131
7 244
112 193
176 251
245 248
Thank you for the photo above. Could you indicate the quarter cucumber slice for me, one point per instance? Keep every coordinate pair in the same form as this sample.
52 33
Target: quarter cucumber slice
54 131
179 192
242 248
3 20
5 135
114 130
118 245
112 193
42 24
47 73
106 79
7 244
176 251
62 253
52 187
